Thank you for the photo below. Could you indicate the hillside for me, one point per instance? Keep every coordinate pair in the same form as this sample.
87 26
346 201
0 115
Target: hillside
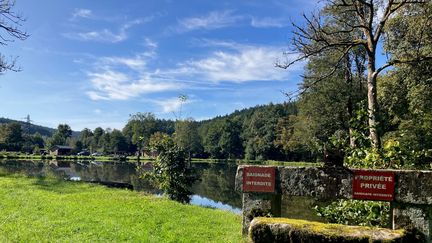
44 131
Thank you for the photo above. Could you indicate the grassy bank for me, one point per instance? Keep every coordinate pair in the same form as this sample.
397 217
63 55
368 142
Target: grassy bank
256 162
48 210
21 156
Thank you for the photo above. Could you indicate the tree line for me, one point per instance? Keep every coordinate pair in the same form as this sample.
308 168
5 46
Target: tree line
252 133
366 94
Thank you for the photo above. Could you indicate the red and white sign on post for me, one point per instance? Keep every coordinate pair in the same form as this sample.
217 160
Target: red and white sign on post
373 185
258 179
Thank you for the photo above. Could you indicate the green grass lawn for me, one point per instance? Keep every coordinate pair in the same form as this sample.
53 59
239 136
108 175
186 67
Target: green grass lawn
48 210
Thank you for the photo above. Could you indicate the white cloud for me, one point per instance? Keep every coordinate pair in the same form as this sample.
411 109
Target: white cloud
123 78
150 43
171 105
213 20
113 85
82 13
268 22
240 64
137 63
104 35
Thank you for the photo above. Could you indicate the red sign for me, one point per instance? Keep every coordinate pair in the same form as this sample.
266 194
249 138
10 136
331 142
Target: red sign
373 185
258 179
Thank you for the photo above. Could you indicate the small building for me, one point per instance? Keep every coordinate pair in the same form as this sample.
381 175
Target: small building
60 150
148 153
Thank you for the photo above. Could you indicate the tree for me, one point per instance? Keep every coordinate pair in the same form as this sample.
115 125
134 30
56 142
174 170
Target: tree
405 93
11 136
259 135
10 23
64 131
296 137
56 139
97 138
139 129
332 29
86 138
118 142
105 142
61 136
230 140
186 136
76 145
210 136
170 172
37 140
326 108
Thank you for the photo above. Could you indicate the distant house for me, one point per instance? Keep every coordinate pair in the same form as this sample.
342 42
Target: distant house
60 150
148 153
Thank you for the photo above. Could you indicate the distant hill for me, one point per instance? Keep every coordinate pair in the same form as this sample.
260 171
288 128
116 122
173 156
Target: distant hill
44 131
277 110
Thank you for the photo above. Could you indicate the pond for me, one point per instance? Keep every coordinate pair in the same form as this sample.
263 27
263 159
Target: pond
214 188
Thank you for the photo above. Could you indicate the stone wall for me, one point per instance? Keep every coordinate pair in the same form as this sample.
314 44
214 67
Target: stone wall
412 205
263 230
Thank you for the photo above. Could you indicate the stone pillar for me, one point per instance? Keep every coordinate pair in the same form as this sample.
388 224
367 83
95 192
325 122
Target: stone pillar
412 215
259 205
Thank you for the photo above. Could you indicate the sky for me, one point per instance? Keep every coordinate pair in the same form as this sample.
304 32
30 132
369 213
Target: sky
94 63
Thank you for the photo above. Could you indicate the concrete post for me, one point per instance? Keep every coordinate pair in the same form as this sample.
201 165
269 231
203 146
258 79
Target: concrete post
259 205
412 215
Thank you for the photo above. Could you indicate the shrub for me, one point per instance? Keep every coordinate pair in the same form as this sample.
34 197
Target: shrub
170 171
352 212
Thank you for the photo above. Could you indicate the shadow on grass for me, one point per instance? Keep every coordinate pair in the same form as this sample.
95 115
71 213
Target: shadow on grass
57 185
45 182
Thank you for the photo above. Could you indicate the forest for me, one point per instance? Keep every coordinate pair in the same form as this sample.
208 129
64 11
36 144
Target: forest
366 94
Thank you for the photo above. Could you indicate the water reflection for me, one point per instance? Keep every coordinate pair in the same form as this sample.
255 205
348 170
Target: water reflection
205 202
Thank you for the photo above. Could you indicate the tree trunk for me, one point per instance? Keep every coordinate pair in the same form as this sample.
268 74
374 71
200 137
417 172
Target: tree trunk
372 100
348 81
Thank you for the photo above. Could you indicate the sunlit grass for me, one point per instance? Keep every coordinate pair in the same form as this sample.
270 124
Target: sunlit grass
49 210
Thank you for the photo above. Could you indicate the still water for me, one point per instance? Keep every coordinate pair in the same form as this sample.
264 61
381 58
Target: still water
214 187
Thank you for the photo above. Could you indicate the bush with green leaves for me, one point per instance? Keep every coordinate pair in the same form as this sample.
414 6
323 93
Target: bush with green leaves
395 153
170 173
352 212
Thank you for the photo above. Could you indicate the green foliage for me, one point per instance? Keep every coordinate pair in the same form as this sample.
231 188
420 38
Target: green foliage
118 142
352 212
210 134
230 140
247 133
170 171
11 136
186 136
64 131
60 137
86 136
393 154
260 134
139 128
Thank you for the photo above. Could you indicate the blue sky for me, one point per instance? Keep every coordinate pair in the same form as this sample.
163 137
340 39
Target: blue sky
92 63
